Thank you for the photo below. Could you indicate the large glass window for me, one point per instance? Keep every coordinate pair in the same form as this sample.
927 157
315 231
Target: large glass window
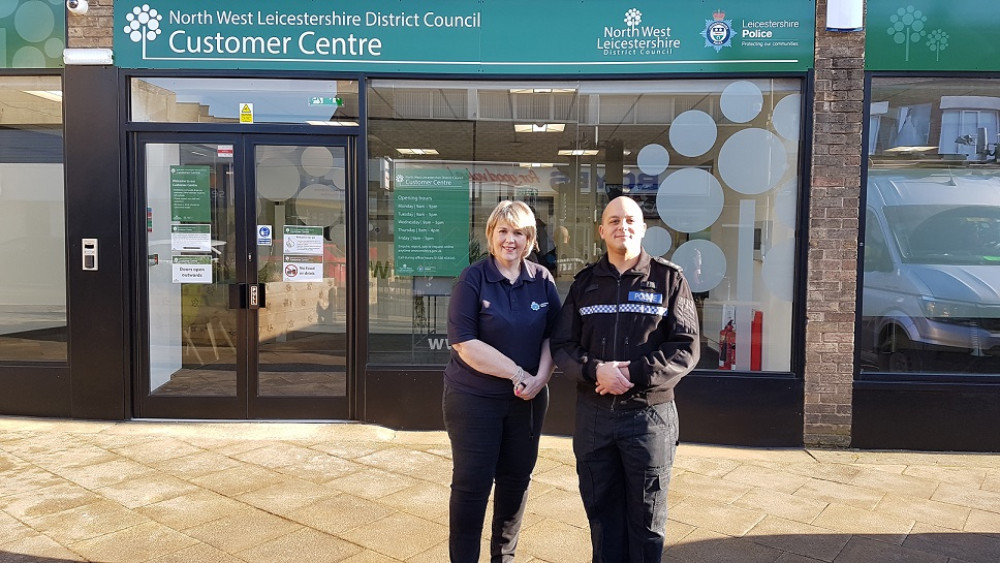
713 163
245 100
931 292
32 221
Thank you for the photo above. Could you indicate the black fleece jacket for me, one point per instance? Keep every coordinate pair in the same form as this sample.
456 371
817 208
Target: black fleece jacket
645 315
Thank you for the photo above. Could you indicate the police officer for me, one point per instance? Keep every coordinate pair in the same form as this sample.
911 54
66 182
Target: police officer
627 333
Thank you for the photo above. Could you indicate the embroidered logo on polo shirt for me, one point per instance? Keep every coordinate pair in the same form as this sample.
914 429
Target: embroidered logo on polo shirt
535 306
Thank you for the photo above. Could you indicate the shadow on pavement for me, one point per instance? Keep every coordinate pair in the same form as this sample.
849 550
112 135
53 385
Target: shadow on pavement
8 557
958 547
955 547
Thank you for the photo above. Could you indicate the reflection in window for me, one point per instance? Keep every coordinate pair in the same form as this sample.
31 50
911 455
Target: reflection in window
930 302
261 100
713 164
32 221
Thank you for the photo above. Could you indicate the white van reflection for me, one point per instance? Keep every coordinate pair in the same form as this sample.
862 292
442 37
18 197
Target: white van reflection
932 272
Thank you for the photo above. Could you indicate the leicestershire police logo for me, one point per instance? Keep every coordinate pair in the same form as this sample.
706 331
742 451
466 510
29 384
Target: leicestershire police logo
718 31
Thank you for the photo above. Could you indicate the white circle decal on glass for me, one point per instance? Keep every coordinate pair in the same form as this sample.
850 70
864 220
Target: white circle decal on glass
277 179
777 270
703 262
785 204
693 133
786 117
34 21
317 161
653 159
752 161
319 204
657 241
7 7
338 235
741 101
54 48
28 57
689 200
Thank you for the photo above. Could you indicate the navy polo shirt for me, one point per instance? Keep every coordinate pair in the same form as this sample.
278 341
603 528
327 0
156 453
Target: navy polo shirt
514 318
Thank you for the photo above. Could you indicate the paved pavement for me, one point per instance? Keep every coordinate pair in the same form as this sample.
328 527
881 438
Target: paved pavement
271 492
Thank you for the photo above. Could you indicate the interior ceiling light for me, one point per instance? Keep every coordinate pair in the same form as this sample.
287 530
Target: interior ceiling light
539 127
542 90
578 152
417 151
910 149
334 123
536 164
54 95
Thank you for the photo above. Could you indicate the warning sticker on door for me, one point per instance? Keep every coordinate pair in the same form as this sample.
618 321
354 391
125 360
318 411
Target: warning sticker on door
302 268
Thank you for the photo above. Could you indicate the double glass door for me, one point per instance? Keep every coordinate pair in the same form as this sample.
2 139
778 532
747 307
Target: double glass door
244 301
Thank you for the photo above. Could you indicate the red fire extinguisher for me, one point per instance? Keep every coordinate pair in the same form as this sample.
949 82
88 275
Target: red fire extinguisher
727 347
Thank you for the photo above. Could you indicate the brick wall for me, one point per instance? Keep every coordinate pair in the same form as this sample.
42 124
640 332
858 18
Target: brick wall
94 29
838 111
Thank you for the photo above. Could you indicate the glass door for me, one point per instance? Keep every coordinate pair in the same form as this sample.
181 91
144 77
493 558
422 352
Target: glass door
245 297
300 349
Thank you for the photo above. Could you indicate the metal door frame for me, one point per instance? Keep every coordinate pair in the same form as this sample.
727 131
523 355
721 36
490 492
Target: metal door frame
245 404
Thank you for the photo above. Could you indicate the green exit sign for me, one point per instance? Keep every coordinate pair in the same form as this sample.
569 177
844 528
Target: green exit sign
325 101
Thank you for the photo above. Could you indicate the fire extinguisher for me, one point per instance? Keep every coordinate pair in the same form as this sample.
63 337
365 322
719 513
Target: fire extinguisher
727 347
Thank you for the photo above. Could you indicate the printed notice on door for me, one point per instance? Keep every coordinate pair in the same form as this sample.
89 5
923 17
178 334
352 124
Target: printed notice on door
189 194
304 240
192 269
191 238
302 268
431 222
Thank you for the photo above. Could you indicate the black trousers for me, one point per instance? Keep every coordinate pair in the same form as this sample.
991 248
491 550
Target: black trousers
493 441
623 459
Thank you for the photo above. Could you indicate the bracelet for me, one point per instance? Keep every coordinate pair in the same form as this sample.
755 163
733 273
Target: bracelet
518 378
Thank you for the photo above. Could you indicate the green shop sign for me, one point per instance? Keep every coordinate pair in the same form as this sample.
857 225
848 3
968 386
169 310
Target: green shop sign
467 36
431 222
32 33
929 35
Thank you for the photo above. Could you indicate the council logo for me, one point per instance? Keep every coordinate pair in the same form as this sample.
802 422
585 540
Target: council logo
143 24
633 17
718 32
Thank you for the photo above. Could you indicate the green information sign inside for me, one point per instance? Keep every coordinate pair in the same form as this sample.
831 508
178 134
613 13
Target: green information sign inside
189 194
469 37
431 222
932 35
325 101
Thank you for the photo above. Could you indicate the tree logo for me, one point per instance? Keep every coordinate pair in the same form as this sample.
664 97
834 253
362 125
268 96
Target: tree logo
143 24
937 41
633 17
907 27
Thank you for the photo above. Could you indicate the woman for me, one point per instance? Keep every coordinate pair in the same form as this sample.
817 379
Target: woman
501 312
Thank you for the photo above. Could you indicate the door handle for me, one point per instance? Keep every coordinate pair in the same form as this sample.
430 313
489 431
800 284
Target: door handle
247 296
253 296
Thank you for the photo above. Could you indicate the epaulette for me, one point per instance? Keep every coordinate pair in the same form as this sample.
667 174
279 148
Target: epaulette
667 263
586 267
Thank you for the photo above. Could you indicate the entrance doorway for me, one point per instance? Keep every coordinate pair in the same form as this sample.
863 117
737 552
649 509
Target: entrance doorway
244 301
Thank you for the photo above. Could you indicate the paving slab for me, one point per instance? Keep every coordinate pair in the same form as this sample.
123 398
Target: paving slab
229 492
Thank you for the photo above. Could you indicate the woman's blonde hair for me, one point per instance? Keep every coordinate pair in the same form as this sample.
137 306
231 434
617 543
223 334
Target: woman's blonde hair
515 214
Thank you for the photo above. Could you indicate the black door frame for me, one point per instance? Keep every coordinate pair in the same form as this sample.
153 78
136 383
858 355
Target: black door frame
245 405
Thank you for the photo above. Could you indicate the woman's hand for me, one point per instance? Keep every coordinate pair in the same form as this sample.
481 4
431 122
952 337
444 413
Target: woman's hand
533 384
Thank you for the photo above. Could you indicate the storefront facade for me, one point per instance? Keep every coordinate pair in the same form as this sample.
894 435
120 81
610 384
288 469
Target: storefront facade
265 207
928 323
